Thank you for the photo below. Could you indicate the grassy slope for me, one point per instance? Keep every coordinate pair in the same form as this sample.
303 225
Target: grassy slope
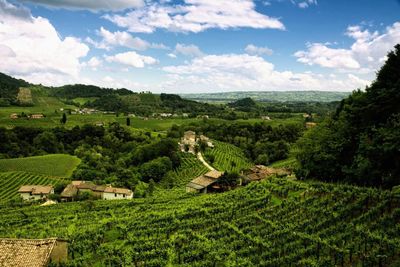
270 223
57 165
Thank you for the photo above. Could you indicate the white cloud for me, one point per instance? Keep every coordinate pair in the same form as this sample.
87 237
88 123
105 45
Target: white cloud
306 3
188 50
94 63
119 38
195 16
171 55
243 72
97 5
31 48
131 59
365 55
255 50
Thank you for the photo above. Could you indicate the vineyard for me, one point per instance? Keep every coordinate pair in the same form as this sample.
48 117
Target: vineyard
11 181
275 222
227 157
190 168
59 165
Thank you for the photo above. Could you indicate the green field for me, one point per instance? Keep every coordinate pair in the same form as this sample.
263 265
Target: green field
270 223
10 182
55 165
228 157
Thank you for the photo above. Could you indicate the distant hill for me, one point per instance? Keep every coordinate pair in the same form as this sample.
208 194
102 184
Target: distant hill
272 96
9 88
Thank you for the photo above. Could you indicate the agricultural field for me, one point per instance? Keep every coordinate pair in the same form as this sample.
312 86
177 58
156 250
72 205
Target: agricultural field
227 157
10 182
275 222
55 165
24 96
190 168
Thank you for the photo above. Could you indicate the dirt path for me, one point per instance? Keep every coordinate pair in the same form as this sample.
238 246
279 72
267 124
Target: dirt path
200 157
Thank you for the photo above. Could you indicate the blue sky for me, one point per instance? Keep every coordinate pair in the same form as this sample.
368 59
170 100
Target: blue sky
193 46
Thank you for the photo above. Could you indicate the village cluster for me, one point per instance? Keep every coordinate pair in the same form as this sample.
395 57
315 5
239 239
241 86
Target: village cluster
73 190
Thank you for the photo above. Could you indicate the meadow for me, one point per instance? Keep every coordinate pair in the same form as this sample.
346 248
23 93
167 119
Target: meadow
54 165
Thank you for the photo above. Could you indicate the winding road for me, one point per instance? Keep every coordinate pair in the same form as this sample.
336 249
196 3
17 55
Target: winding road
200 157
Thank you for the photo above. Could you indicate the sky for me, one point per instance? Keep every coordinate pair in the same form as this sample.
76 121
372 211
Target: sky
198 46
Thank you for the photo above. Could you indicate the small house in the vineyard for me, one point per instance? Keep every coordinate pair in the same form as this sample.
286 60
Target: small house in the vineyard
14 116
35 192
204 183
32 252
110 193
36 116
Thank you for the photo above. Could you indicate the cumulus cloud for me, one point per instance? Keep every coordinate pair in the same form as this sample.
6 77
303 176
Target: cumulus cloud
365 55
97 5
255 50
243 72
195 16
93 63
131 59
31 48
188 50
121 39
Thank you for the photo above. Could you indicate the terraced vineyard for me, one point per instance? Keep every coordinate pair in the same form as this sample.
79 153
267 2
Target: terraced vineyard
190 168
11 181
227 157
270 223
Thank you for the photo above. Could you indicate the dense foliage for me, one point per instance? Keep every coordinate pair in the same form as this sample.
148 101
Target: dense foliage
109 155
361 142
81 90
261 142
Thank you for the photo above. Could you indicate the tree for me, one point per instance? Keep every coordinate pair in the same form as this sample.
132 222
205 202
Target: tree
360 142
128 121
63 119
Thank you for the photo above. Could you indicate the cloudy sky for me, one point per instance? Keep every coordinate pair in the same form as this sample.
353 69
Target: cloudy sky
190 46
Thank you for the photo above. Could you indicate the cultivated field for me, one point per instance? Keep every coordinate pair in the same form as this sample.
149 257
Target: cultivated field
228 157
55 165
270 223
10 182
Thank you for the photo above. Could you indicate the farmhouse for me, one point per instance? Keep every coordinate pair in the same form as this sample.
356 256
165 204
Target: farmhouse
32 252
35 192
72 190
266 118
36 116
190 140
117 193
260 172
14 116
310 125
203 182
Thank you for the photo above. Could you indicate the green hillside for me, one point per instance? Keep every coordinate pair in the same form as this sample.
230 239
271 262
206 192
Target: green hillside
58 165
10 182
270 223
227 157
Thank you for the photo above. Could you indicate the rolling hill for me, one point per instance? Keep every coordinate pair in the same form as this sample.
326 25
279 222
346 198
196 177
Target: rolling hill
54 165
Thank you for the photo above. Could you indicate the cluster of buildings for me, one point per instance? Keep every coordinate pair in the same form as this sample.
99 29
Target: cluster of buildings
190 140
210 182
72 191
15 116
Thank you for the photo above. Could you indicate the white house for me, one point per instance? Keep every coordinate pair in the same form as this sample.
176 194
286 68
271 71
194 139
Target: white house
35 192
110 193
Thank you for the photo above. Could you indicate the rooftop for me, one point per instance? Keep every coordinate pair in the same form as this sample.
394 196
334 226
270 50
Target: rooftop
26 252
36 189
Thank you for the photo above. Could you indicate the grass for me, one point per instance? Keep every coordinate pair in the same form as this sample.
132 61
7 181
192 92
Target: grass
10 182
55 165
